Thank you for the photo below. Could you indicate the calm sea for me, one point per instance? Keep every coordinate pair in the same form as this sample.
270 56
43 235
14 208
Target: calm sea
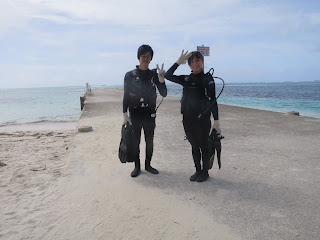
29 105
303 97
62 104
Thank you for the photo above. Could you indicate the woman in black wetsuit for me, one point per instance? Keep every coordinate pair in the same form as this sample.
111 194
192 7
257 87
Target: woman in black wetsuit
198 93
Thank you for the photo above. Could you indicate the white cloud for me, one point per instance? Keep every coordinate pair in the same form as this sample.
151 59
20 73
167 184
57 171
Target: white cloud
134 12
22 76
66 41
57 19
127 12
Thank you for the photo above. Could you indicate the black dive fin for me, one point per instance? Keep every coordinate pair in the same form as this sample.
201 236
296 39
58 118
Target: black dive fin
125 153
218 149
215 146
212 150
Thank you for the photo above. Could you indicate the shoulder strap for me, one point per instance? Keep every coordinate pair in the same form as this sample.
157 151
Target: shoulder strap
135 74
150 76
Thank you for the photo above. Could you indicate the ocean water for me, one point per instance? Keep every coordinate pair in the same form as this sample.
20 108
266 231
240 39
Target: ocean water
30 105
62 104
303 97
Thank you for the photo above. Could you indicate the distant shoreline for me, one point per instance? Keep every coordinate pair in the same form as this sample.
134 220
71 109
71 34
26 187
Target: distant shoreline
120 86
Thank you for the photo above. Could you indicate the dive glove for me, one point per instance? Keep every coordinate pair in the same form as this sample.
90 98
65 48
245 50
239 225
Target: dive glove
183 57
216 126
161 73
126 118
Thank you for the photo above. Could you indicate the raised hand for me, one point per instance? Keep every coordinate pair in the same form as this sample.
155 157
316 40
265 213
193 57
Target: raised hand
161 73
183 57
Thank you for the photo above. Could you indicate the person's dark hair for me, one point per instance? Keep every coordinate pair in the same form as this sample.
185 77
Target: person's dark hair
194 54
143 49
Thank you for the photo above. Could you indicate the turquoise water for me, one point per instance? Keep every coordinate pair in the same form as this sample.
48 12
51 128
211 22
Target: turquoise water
304 107
62 104
303 97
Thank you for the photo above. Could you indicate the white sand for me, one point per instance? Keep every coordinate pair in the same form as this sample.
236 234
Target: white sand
57 185
34 160
268 186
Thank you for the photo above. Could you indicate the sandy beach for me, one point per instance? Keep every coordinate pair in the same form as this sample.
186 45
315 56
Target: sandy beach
63 184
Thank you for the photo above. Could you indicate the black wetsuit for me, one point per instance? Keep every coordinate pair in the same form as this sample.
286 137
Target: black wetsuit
140 97
198 93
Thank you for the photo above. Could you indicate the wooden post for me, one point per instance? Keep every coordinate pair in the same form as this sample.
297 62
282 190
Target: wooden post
88 91
82 99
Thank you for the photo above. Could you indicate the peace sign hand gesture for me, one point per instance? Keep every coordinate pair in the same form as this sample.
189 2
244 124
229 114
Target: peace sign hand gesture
161 73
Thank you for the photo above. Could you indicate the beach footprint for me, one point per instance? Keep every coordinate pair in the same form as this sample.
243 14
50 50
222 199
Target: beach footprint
2 164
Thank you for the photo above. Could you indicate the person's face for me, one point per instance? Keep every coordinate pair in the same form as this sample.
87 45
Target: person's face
145 60
196 65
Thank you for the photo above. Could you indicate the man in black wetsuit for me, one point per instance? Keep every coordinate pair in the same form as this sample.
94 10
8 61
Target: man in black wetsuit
140 98
198 93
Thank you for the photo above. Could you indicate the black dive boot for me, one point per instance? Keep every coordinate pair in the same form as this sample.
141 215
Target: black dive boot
149 168
195 176
204 175
136 170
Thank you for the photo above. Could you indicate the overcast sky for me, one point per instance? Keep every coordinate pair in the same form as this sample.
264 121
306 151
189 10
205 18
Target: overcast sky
71 42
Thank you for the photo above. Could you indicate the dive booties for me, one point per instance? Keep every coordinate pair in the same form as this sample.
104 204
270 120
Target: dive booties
136 170
150 169
204 175
195 176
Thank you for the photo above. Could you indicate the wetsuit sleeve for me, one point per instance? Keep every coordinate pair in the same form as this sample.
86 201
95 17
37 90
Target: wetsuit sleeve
162 87
174 78
126 86
211 86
